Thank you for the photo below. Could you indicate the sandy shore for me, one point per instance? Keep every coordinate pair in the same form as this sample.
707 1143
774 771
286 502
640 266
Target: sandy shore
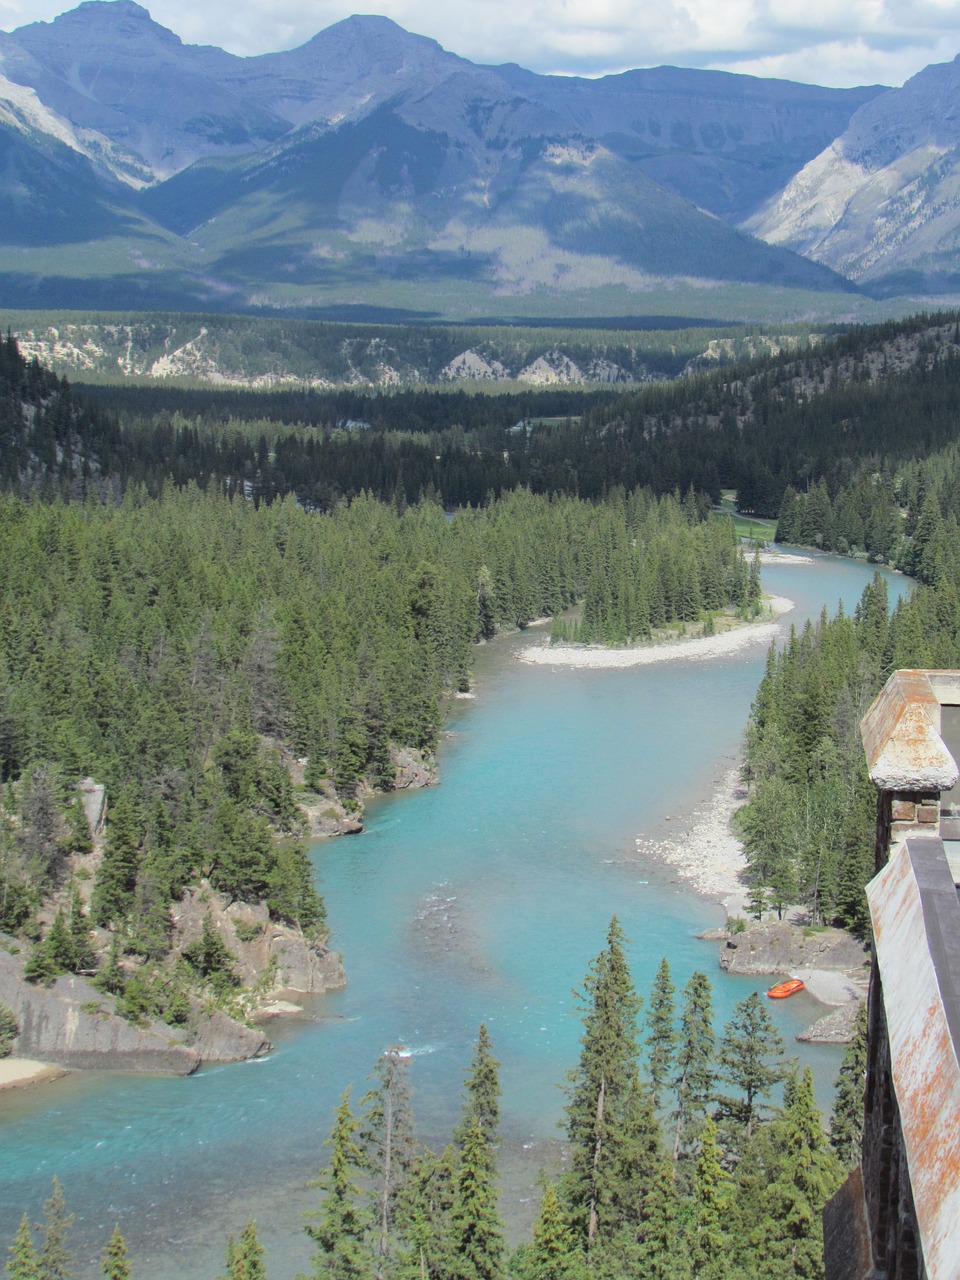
19 1071
708 855
696 648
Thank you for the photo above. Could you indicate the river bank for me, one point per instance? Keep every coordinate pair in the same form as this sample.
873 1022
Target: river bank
738 637
17 1072
710 858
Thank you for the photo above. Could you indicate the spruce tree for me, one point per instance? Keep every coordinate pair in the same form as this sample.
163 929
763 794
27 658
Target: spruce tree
750 1058
424 1204
83 957
483 1091
54 1262
662 1037
846 1125
113 889
553 1253
339 1226
600 1087
708 1234
693 1079
23 1263
788 1238
245 1258
476 1231
114 1264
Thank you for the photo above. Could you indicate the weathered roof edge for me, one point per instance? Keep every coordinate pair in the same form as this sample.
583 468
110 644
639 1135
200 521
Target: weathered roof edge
901 733
916 923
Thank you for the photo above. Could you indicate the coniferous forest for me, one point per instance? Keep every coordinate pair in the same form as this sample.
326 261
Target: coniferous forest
195 597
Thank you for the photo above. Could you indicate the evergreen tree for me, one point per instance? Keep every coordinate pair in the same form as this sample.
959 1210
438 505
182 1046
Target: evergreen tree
54 1262
846 1125
483 1091
424 1204
83 957
23 1263
245 1258
749 1058
387 1142
787 1235
117 876
476 1231
110 977
339 1226
114 1264
662 1037
553 1253
600 1087
693 1081
708 1233
9 1029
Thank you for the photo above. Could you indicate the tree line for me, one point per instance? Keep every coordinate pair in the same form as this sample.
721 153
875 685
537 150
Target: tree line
678 1163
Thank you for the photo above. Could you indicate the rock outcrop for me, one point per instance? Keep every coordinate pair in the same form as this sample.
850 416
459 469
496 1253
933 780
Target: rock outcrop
269 955
72 1024
413 768
777 947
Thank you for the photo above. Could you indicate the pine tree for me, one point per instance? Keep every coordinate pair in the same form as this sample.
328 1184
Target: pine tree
23 1263
693 1082
600 1087
54 1263
114 1264
662 1039
339 1227
846 1126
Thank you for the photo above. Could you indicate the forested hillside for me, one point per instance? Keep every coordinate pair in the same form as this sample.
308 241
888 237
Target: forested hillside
186 646
194 602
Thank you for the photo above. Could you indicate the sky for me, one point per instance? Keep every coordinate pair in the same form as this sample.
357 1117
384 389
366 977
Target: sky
832 42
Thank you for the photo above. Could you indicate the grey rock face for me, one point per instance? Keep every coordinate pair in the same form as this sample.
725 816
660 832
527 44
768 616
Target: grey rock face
775 947
880 203
70 1023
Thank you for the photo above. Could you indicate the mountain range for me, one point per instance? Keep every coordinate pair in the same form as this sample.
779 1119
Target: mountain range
372 168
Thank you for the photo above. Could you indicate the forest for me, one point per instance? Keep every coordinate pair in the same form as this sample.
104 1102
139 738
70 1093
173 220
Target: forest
679 1165
194 597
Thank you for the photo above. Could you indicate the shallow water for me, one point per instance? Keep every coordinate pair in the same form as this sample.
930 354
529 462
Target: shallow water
482 899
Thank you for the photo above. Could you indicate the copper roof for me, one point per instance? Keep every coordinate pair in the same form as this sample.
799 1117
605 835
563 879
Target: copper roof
916 924
901 732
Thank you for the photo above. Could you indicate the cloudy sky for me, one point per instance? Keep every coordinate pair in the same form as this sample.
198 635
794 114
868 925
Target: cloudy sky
835 42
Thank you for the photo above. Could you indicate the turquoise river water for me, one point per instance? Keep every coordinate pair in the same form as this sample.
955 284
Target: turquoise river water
479 900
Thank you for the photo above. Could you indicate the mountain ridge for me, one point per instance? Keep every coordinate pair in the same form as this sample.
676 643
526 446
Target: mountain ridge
370 165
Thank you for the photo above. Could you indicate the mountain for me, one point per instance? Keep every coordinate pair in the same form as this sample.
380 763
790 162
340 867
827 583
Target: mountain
370 166
881 204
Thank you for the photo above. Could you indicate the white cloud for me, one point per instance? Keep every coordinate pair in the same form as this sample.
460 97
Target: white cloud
838 42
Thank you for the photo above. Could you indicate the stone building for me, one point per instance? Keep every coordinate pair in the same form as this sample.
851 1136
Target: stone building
897 1216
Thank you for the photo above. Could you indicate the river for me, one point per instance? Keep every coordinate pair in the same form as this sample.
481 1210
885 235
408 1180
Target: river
480 900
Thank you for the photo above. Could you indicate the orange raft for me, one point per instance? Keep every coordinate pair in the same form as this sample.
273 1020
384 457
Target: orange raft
784 989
